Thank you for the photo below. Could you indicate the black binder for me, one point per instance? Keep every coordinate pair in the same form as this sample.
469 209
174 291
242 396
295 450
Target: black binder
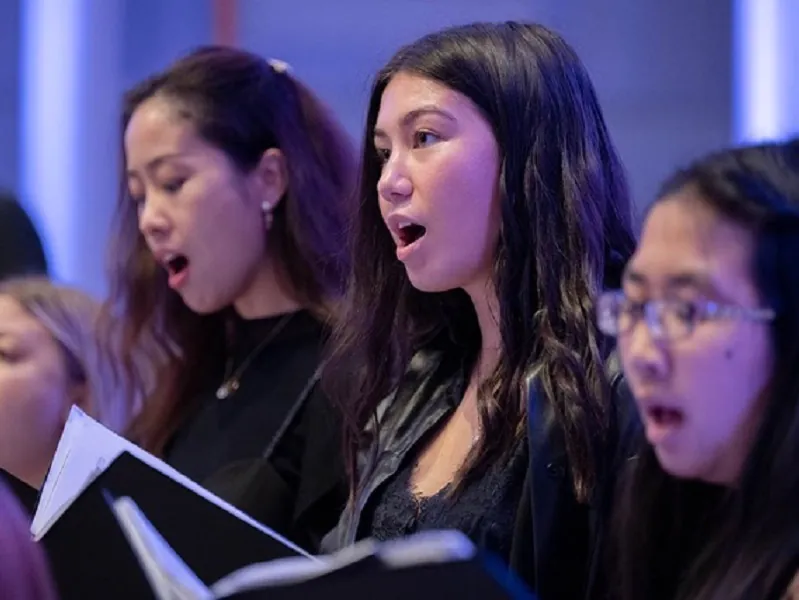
26 495
91 558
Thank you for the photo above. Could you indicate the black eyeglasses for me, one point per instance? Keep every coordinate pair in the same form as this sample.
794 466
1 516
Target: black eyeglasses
667 319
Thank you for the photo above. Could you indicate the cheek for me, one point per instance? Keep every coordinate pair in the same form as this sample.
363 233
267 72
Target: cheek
227 228
33 405
723 381
467 203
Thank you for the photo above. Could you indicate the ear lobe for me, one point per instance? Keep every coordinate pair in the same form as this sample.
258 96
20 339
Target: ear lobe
272 177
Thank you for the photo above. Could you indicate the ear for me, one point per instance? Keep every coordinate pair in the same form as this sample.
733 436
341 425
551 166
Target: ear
270 178
79 396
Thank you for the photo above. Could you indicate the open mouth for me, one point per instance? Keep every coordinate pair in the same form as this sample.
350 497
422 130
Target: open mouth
665 417
176 264
410 233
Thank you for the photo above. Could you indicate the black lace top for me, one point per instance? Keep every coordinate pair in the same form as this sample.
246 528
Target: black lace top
485 509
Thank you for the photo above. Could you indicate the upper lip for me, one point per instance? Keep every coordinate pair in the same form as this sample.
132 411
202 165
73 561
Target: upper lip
163 255
396 221
647 403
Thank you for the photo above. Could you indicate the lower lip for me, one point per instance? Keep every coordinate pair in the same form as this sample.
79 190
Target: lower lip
659 433
403 252
178 280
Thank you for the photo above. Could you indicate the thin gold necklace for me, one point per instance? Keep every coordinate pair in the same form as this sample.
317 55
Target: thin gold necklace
232 381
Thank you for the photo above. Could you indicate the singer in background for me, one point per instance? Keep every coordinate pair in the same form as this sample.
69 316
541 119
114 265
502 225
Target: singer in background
50 360
707 323
228 264
21 251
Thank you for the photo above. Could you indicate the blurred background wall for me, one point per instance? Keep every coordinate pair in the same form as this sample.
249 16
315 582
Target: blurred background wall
676 79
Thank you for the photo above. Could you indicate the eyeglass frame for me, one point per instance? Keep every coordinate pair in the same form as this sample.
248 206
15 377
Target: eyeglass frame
652 311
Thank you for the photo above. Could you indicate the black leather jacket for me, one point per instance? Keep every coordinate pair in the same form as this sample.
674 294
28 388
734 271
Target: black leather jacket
556 540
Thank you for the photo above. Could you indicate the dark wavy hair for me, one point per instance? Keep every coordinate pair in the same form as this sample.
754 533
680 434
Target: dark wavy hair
565 211
242 105
684 540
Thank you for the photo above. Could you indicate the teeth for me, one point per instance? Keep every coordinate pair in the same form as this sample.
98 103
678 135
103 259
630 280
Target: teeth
405 224
169 257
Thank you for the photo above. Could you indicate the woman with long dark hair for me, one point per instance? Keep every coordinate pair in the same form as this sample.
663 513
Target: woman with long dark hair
708 330
493 210
227 268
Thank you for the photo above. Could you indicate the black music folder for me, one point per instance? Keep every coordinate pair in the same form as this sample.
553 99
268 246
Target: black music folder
91 557
26 495
427 566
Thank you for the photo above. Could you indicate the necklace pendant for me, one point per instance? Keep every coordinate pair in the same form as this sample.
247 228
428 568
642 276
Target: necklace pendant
227 388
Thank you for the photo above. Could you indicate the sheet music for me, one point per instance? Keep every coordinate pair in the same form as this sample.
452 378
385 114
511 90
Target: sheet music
85 449
169 576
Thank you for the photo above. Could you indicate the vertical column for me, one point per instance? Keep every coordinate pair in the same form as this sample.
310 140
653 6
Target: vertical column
766 51
225 22
69 136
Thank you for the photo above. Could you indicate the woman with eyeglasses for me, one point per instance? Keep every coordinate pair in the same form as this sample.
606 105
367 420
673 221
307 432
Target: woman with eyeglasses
708 332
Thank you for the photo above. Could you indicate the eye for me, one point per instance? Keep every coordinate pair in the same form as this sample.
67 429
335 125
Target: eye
686 312
631 308
173 186
422 138
8 355
383 154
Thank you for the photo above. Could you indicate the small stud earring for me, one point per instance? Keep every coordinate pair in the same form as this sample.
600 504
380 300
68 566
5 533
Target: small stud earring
266 208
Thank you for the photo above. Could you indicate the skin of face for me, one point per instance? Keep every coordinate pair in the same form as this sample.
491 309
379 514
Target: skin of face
716 377
440 170
35 393
193 201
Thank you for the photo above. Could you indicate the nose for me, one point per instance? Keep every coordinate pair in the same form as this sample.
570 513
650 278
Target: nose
643 354
394 184
153 219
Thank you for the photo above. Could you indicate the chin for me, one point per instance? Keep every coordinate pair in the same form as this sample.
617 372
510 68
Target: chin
676 466
203 306
431 283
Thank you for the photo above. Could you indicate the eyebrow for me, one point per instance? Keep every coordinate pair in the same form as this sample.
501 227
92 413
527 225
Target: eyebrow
677 281
411 116
154 163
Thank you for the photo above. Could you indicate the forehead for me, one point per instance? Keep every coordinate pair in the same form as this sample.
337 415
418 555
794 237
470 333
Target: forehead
683 236
16 321
407 92
157 127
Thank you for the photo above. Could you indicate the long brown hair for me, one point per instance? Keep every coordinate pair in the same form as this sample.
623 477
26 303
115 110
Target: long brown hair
242 105
565 211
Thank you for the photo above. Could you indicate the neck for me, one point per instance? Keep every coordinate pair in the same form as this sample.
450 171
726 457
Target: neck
266 295
486 306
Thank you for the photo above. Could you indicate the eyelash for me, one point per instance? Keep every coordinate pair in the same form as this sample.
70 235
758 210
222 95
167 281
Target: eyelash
173 186
419 134
383 154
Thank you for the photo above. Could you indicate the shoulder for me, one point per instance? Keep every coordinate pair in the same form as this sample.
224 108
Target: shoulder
424 372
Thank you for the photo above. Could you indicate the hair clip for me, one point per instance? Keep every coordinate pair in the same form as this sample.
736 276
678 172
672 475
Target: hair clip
279 66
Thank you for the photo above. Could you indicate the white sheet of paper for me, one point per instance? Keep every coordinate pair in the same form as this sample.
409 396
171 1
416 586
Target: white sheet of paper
426 547
169 576
85 449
